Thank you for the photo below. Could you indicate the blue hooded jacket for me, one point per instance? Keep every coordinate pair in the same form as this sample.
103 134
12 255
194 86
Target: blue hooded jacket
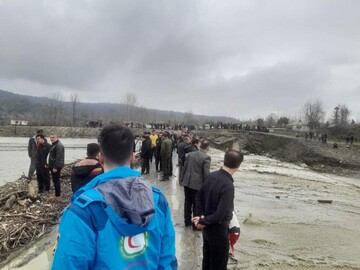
117 221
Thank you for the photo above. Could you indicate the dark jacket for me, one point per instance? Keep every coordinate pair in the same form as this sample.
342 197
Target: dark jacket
146 149
32 147
190 148
215 199
166 148
196 169
158 147
84 171
42 153
56 155
181 152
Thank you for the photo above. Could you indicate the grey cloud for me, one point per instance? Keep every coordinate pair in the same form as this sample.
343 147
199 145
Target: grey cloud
223 57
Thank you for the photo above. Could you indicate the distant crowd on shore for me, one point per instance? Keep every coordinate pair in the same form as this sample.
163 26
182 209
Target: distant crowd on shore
176 127
323 137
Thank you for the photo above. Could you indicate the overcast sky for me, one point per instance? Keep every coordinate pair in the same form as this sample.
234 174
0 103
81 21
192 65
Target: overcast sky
244 59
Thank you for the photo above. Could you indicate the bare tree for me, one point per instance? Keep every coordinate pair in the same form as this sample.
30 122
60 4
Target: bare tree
74 99
54 110
130 102
336 116
344 115
271 120
340 115
189 117
313 113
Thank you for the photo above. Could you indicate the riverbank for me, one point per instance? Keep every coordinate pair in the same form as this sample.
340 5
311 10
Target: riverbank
63 132
343 160
28 217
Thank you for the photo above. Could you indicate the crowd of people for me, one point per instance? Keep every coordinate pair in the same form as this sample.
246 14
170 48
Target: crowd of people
47 160
117 219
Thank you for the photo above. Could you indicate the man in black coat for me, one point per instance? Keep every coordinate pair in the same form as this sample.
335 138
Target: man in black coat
146 154
32 149
158 165
184 142
56 162
214 208
42 173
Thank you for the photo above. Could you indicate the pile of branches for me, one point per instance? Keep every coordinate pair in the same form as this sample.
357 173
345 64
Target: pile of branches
25 217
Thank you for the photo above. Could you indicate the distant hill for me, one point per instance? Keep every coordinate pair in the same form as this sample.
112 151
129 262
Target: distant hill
54 111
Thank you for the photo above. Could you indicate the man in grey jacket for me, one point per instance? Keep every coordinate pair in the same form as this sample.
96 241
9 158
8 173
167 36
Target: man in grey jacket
195 171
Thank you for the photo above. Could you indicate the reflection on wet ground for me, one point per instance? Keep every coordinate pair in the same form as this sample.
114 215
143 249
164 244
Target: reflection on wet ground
282 223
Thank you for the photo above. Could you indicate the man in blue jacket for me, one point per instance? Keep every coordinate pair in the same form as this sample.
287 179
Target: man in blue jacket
118 220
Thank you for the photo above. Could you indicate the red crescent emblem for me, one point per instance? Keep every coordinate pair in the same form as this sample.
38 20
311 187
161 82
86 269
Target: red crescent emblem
130 244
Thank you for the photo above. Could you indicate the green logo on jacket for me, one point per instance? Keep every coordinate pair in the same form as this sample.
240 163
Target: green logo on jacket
134 246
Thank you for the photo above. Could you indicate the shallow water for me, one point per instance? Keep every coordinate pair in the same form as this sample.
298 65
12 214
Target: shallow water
282 223
15 160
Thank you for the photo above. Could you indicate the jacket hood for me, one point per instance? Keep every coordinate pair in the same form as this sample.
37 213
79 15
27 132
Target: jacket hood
85 167
127 198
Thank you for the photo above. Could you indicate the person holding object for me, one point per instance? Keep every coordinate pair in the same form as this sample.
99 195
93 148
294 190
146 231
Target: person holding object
118 220
214 210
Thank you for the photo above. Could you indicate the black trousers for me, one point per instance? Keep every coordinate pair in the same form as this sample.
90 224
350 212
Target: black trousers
153 153
145 166
166 165
43 178
180 171
215 247
189 204
56 180
158 163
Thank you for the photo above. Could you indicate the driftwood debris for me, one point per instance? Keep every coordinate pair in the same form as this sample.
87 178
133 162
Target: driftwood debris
10 202
26 216
325 201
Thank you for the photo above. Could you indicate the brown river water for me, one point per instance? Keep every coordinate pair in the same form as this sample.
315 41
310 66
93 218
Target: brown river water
283 226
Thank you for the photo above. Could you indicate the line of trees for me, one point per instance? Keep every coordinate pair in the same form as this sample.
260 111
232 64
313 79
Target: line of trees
61 110
313 115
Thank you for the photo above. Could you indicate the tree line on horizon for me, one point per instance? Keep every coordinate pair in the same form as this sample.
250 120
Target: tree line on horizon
313 116
58 110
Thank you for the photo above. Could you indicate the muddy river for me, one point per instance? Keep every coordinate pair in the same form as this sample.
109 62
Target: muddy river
283 225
